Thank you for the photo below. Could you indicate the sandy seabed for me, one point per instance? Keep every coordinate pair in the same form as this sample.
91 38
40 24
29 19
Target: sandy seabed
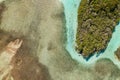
43 23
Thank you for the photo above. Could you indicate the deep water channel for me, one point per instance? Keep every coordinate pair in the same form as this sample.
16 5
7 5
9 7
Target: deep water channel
70 10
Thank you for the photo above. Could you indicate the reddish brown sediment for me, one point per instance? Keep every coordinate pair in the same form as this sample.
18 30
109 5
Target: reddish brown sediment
25 65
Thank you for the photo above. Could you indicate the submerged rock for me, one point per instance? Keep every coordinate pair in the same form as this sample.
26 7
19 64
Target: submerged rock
96 22
117 53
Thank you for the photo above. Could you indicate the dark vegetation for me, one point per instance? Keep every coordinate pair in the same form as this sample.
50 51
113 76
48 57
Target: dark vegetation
96 22
117 53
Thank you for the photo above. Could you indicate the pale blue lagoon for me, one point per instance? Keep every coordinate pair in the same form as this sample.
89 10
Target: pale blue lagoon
70 10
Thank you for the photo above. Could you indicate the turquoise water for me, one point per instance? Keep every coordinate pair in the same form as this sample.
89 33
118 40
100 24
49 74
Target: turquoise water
70 10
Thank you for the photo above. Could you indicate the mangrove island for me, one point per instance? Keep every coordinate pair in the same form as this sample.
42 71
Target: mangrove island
96 22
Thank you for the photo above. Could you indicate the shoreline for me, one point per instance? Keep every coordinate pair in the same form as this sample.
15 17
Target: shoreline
43 22
71 33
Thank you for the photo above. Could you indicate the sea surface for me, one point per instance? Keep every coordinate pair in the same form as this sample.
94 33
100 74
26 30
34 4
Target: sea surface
70 10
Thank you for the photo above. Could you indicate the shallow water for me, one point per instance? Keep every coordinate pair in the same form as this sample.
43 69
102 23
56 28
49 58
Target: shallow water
1 1
70 10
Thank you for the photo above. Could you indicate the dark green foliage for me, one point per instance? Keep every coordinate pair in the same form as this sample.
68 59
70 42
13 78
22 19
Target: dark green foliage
96 22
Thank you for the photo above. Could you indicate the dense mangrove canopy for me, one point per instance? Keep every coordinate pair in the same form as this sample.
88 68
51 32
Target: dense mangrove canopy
96 22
